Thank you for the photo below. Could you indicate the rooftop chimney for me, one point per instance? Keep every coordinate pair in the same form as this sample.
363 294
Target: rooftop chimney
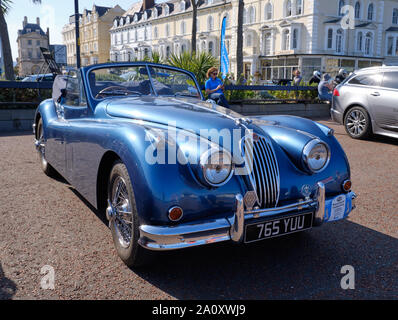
147 4
38 21
25 21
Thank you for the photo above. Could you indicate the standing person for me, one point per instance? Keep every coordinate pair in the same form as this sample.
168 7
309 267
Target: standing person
325 88
316 78
297 77
215 88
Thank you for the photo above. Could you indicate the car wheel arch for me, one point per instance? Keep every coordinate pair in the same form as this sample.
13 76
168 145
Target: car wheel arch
103 172
360 106
37 119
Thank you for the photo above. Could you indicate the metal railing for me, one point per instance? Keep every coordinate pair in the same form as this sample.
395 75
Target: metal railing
230 90
15 85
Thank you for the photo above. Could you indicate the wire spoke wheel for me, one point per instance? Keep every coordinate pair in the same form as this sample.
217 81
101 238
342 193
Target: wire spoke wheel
122 219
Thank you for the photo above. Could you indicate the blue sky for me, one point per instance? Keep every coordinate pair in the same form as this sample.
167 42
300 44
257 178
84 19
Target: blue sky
52 13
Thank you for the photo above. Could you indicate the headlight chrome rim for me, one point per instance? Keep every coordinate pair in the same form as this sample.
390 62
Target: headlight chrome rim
307 150
204 161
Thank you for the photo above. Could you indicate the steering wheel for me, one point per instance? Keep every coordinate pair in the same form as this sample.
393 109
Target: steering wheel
115 89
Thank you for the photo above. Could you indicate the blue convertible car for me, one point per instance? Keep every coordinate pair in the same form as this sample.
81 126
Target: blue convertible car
170 170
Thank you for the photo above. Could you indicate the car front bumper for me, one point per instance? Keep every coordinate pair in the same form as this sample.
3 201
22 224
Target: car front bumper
233 227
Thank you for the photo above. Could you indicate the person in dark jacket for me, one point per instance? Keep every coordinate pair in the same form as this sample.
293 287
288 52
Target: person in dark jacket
316 78
341 76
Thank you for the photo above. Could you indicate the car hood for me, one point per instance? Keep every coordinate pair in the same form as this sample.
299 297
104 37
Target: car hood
196 115
184 113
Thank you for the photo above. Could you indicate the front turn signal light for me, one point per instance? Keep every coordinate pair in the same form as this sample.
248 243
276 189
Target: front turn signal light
347 185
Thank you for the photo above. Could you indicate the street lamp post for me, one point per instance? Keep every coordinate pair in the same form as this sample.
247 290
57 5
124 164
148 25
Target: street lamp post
77 33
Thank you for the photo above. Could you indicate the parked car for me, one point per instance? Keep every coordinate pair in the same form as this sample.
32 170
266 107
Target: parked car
39 77
366 102
131 148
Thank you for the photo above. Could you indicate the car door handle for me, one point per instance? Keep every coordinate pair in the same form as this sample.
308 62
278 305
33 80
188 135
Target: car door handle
376 94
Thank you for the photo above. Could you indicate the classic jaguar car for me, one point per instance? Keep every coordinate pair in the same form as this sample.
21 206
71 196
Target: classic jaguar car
170 170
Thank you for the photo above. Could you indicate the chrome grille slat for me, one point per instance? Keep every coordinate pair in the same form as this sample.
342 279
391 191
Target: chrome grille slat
268 196
268 172
276 168
265 171
272 172
260 174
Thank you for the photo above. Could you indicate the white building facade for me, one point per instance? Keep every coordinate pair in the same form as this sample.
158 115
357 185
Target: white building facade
279 35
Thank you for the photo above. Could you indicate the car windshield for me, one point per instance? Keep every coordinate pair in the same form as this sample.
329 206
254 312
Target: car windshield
135 80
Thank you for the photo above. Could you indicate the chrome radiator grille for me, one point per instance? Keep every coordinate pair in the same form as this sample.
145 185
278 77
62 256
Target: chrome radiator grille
264 175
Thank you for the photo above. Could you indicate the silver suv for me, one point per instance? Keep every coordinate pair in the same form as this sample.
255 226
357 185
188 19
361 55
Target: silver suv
367 102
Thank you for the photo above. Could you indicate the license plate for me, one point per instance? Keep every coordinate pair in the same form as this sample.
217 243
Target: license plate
278 227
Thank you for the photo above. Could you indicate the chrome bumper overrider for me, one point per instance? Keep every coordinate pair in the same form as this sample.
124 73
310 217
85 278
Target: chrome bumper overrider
223 229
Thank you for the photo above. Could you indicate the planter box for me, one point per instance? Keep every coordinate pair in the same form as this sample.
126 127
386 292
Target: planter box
321 110
16 119
22 119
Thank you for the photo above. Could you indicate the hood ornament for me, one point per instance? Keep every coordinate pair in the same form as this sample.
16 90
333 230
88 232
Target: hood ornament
239 121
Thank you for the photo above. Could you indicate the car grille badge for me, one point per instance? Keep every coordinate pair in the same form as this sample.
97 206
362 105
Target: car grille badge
250 199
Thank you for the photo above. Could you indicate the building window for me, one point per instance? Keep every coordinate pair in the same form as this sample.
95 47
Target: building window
227 20
183 48
390 43
37 42
370 11
268 11
368 43
182 27
145 34
299 7
330 39
395 16
286 40
252 15
396 46
211 48
295 39
339 41
249 41
267 44
341 5
167 51
359 41
182 6
167 30
244 16
155 32
166 11
29 42
357 10
288 8
210 23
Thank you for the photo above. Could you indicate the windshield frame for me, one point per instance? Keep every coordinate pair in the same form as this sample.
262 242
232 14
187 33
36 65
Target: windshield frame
86 71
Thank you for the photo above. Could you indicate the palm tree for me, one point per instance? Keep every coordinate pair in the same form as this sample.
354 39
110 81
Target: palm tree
239 44
5 6
194 25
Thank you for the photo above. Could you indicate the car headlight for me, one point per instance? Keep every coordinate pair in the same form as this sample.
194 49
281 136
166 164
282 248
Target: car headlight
316 155
216 167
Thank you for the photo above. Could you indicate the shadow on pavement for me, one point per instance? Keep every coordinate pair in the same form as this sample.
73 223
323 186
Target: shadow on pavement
100 216
300 266
7 286
16 133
